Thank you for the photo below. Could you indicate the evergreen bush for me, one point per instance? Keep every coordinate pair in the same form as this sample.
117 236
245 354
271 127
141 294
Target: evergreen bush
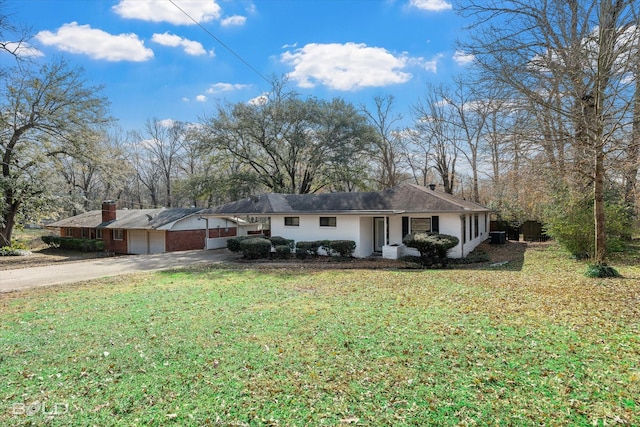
433 247
74 244
255 248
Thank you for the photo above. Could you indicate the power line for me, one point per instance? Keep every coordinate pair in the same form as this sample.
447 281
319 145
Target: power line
221 42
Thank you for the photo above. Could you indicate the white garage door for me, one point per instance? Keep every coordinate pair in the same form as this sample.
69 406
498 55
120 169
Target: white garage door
156 242
138 242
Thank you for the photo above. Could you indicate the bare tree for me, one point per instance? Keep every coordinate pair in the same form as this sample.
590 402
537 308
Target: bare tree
565 57
162 141
387 147
434 120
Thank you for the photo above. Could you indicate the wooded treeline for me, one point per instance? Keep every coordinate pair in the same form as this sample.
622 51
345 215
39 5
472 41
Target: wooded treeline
547 128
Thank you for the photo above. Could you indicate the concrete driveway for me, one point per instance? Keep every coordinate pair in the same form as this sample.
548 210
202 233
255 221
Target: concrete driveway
77 271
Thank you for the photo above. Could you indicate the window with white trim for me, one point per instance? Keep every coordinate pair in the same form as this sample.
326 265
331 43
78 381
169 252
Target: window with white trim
118 234
68 232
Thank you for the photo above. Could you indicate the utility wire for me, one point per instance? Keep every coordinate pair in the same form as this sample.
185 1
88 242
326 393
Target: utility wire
221 42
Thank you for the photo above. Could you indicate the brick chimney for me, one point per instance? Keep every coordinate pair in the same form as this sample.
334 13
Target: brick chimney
108 210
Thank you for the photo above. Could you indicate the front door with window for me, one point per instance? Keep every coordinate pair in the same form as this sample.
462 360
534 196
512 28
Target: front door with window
378 234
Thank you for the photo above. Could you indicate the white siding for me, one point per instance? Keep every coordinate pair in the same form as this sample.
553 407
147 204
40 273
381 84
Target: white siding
193 223
365 246
348 227
395 230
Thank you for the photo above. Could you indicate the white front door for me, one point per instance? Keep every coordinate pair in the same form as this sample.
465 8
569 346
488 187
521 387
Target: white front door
378 234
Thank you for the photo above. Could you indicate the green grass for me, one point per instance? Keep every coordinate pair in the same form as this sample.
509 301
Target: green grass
222 346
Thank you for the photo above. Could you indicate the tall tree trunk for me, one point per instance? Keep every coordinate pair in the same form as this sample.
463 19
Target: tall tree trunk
598 208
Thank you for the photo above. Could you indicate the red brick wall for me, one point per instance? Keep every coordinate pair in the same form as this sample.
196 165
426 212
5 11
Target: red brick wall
117 246
222 232
184 240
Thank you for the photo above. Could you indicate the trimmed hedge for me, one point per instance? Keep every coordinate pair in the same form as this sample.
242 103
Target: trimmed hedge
282 252
341 248
307 249
234 244
73 244
255 248
433 247
344 248
281 241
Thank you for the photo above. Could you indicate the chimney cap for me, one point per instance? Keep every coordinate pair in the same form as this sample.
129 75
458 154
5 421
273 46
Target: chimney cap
432 187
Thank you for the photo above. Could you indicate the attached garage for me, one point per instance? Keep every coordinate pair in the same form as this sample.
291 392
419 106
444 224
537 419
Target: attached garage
142 242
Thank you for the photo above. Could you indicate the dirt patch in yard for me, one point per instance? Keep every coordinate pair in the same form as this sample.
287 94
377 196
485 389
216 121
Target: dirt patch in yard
42 257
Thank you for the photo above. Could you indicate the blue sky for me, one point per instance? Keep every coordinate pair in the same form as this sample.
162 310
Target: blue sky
154 61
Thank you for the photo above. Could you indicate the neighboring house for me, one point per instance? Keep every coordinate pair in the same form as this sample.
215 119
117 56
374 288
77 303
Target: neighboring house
376 221
149 231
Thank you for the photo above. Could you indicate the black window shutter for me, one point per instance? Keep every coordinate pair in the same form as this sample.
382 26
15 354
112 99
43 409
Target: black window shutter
405 226
435 224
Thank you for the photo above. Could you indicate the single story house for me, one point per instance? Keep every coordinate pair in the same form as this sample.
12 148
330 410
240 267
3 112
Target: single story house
377 221
149 231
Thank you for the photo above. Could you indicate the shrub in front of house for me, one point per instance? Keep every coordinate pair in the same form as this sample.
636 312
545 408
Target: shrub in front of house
433 247
74 244
282 252
255 248
281 241
305 250
343 248
233 244
310 249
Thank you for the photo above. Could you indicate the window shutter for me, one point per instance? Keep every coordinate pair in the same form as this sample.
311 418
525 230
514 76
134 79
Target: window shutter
405 226
435 224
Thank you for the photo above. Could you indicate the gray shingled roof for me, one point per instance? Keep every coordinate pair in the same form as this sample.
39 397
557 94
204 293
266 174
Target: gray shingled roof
402 198
128 219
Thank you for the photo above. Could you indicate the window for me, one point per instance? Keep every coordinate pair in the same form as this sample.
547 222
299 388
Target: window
68 232
118 234
420 225
292 221
328 221
99 233
83 233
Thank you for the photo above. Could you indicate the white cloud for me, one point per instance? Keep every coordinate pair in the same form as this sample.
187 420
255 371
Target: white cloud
234 21
431 5
348 66
462 58
95 43
165 11
22 50
190 47
201 98
225 87
259 100
167 123
432 64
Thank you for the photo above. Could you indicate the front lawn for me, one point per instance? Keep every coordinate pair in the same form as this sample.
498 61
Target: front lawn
539 345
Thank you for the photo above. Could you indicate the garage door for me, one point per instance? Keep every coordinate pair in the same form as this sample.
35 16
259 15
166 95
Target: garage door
138 242
156 242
